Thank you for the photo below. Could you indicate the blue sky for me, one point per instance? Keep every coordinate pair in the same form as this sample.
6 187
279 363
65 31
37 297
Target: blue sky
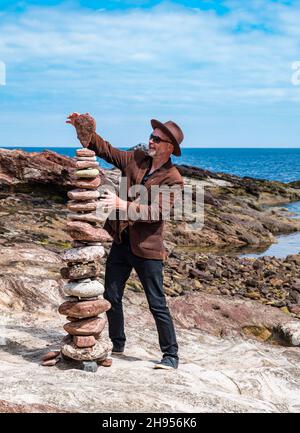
222 70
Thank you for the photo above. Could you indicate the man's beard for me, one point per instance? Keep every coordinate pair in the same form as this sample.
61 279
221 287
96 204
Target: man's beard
151 152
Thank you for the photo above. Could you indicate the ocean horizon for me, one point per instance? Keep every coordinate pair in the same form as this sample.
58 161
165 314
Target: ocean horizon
281 164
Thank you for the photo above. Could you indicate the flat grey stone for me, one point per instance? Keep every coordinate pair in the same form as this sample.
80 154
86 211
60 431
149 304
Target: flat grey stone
84 288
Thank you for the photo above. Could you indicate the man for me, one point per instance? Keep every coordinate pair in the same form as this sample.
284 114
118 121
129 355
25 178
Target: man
138 241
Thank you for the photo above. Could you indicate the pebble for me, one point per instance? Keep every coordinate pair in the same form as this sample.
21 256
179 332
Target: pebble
91 326
83 254
85 152
83 194
84 288
84 308
74 206
82 231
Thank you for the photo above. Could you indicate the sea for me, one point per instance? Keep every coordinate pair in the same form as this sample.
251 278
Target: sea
272 164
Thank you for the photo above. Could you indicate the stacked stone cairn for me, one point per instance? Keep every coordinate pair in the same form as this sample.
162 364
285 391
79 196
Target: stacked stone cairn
85 306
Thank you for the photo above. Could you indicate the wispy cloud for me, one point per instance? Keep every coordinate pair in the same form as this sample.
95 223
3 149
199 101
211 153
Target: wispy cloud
172 60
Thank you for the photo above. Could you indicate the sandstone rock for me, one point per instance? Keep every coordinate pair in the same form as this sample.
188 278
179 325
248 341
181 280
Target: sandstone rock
18 167
88 184
91 326
98 352
85 127
82 194
89 173
50 362
219 315
86 158
84 308
83 254
79 271
85 152
51 355
81 341
87 164
84 288
106 362
89 217
82 231
86 206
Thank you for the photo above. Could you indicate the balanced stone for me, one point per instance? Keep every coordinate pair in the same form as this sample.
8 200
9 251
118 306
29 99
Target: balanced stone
85 152
84 341
84 288
82 231
82 194
83 254
85 126
88 173
74 206
84 308
88 184
86 164
99 351
79 271
90 326
86 158
90 217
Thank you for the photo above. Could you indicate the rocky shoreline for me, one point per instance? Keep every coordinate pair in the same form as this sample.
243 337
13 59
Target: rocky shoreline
237 319
33 195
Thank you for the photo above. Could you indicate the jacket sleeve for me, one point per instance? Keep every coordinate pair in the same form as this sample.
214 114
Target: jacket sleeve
103 149
161 206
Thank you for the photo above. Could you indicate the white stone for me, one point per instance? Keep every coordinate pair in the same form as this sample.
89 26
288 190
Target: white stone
99 351
86 288
83 254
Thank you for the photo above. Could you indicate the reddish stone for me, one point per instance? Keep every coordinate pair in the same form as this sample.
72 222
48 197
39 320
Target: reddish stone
88 184
79 271
90 326
84 308
80 165
85 152
50 355
105 362
81 341
295 309
85 126
50 362
90 205
81 231
82 194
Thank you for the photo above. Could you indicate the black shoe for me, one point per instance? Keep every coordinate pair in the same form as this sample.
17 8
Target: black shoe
117 351
167 363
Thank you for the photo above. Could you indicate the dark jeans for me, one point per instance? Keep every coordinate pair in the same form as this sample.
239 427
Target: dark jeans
119 265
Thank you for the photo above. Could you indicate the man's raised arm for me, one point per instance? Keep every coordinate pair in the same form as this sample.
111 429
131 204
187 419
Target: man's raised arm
86 132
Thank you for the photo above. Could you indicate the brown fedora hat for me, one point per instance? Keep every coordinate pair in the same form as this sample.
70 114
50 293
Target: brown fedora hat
172 130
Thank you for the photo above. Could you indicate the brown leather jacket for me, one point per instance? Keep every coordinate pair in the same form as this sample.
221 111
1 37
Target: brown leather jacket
146 236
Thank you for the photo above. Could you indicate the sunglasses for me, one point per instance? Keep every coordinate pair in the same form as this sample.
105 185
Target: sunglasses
157 139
